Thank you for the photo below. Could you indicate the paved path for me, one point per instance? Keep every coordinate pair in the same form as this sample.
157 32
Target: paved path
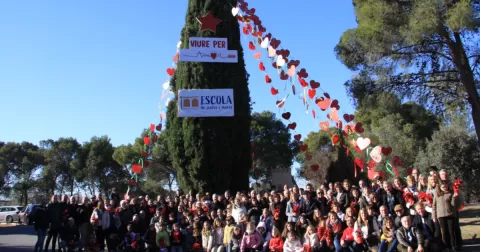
17 238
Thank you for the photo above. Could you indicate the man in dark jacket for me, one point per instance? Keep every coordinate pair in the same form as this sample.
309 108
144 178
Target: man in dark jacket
430 229
55 219
308 205
40 217
390 197
84 211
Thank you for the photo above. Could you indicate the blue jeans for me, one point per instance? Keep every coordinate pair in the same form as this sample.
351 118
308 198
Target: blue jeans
40 239
384 246
336 243
177 249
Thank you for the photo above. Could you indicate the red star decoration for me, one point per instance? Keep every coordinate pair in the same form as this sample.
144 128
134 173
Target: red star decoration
209 22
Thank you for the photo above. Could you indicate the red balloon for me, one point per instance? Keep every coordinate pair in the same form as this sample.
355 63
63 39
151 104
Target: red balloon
136 168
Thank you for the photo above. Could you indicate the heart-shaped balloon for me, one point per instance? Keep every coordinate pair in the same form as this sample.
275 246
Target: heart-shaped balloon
325 125
271 51
274 91
333 115
363 143
264 43
286 115
235 11
257 55
261 66
280 61
297 137
311 93
292 70
376 154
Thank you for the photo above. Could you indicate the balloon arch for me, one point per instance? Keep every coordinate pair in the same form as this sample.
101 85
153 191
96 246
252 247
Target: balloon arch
267 50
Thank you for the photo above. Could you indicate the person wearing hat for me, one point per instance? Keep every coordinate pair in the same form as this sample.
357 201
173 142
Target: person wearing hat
399 213
308 205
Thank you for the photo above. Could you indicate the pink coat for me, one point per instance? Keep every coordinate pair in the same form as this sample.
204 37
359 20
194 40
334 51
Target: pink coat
253 240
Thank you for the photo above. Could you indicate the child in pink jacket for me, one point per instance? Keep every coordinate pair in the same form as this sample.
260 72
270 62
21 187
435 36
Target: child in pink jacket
251 239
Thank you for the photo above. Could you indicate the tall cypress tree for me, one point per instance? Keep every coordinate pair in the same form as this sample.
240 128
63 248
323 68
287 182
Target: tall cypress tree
211 154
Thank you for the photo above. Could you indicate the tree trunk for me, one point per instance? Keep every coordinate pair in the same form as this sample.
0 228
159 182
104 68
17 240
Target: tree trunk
467 78
25 197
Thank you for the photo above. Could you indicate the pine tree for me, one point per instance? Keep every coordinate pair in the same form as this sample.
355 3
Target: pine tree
211 154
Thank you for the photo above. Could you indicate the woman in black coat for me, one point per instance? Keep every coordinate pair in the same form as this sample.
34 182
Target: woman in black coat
40 217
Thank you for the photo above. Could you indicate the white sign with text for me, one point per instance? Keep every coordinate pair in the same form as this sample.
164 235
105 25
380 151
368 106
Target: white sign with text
205 103
208 50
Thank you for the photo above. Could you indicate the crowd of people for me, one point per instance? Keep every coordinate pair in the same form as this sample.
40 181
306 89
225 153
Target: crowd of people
419 213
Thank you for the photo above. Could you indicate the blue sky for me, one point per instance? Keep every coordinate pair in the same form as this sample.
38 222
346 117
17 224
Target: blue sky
85 68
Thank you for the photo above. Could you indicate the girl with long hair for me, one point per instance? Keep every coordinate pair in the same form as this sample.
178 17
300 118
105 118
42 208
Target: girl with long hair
207 237
100 220
368 227
388 240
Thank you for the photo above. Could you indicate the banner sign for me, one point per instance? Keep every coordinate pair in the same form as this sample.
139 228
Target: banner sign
205 103
208 50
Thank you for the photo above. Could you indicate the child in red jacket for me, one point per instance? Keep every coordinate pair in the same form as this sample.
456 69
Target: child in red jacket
276 241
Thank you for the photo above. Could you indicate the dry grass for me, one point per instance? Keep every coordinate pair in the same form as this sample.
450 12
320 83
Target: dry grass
470 224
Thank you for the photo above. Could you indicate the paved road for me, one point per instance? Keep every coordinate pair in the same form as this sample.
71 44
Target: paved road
17 239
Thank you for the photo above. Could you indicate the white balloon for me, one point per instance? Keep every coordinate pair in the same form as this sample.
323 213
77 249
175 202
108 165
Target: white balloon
179 44
166 85
168 100
280 61
264 43
235 11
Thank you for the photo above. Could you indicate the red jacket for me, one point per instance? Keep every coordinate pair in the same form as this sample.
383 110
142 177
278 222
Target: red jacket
348 234
276 244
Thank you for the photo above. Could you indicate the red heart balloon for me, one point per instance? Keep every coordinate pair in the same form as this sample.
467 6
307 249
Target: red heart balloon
335 104
303 147
257 55
136 168
159 127
268 79
275 43
348 118
273 91
314 84
359 128
283 75
170 71
286 115
335 139
152 127
302 73
251 46
360 163
303 82
311 93
292 126
280 104
261 66
295 63
386 150
146 140
297 137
